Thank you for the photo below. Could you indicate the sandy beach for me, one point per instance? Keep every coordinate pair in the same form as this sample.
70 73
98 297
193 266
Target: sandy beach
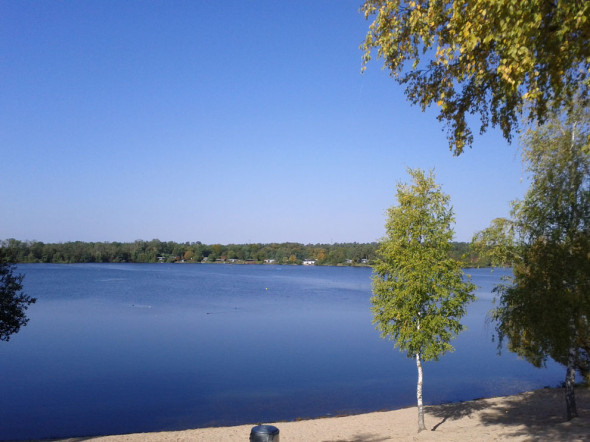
535 415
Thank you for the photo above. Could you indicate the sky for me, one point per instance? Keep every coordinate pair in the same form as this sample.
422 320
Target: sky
239 121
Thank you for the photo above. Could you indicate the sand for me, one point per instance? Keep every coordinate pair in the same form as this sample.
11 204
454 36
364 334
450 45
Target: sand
535 415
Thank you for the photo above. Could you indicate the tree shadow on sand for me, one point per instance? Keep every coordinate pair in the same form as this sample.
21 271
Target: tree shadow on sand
455 411
538 414
364 437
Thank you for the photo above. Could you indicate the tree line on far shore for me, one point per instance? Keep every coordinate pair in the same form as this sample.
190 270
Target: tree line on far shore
168 251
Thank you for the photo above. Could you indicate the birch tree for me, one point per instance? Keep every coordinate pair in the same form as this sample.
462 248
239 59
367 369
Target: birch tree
543 310
498 59
419 293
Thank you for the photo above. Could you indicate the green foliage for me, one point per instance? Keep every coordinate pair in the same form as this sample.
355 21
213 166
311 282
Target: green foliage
554 242
352 254
156 251
419 293
13 302
494 58
496 243
543 311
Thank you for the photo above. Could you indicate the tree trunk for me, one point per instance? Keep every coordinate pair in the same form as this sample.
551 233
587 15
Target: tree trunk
421 425
570 380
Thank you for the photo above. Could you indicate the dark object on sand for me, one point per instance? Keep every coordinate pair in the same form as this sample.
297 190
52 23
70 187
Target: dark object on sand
264 433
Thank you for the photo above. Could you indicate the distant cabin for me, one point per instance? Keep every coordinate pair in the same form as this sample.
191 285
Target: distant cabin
309 262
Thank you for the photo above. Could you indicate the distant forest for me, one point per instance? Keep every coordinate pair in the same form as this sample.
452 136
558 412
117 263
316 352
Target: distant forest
195 252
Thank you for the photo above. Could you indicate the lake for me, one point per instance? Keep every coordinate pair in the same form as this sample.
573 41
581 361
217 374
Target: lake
120 348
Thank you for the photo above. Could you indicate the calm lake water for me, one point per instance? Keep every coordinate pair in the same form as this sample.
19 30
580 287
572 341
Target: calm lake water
120 348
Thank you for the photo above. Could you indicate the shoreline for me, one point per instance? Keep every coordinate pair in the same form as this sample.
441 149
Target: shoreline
532 415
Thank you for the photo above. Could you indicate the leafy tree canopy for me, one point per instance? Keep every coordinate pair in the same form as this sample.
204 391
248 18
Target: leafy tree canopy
418 291
488 57
544 310
13 302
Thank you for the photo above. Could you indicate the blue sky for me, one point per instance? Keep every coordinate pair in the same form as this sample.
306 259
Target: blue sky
222 122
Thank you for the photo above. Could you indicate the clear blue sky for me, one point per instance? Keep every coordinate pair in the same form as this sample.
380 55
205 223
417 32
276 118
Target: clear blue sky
222 122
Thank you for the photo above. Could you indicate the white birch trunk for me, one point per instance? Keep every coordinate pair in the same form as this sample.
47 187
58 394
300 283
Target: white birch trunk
570 380
421 425
570 376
